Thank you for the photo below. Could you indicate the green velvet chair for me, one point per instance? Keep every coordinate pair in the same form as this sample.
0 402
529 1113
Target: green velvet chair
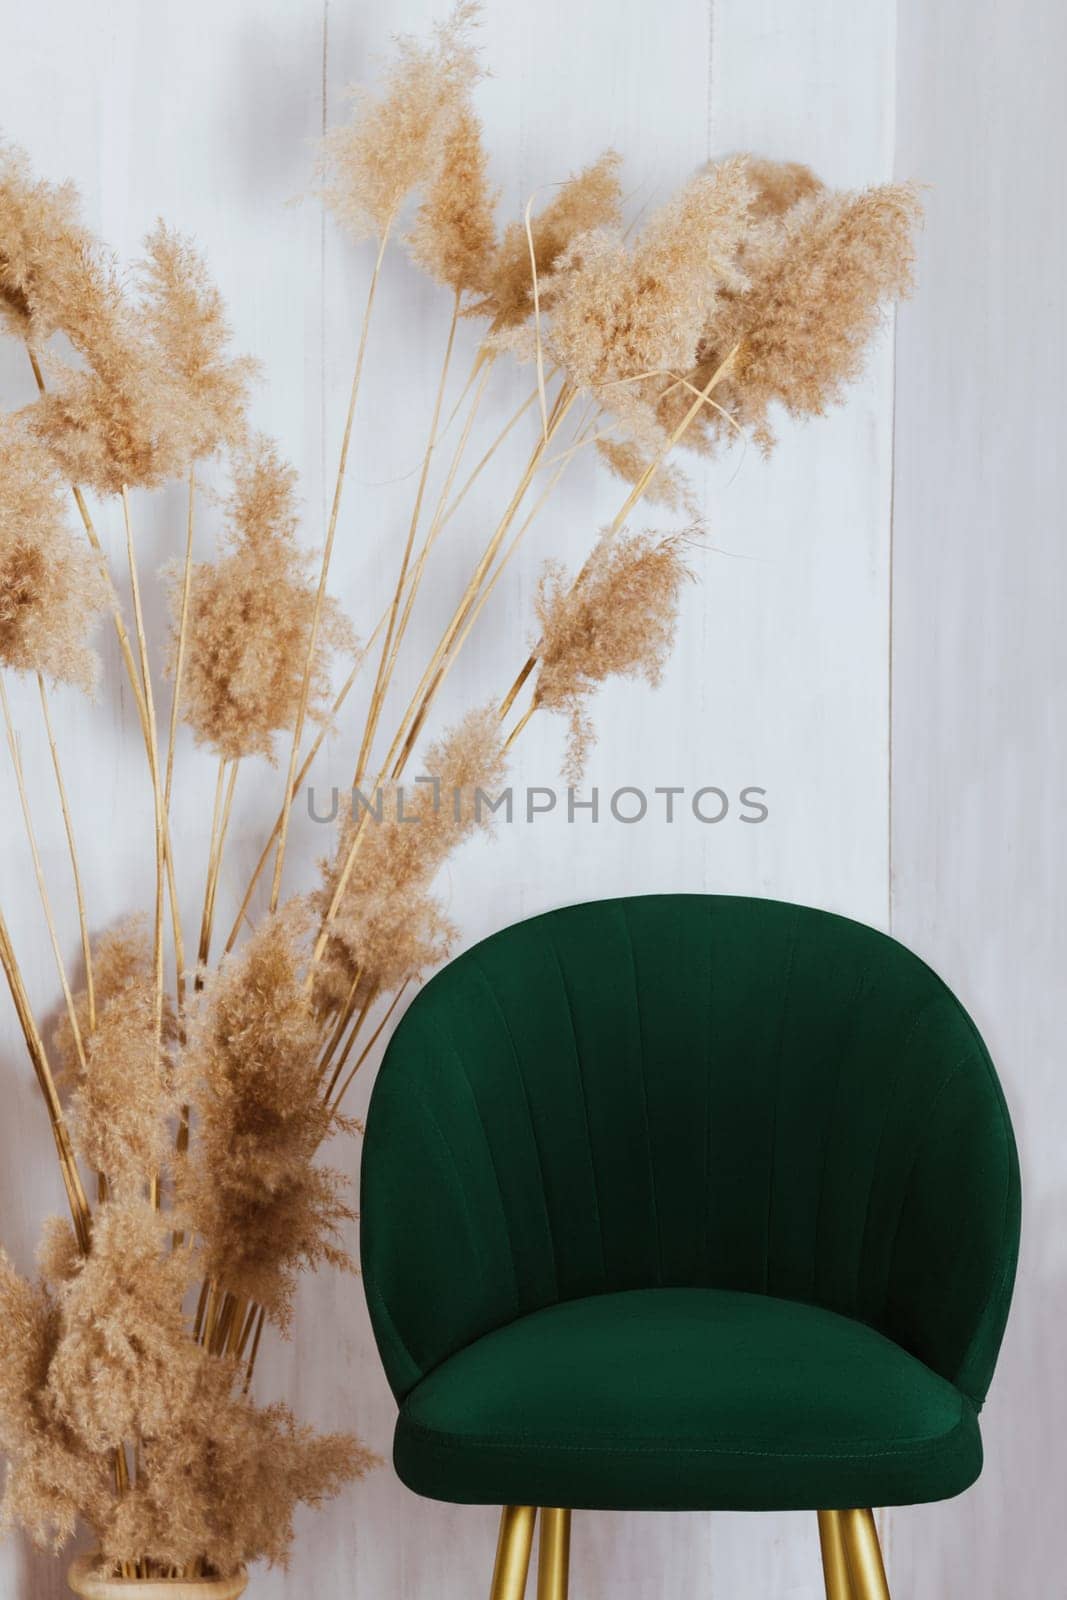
687 1203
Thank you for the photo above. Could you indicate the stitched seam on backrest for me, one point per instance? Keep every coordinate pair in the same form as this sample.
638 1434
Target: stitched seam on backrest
708 1067
777 1090
529 1114
453 1050
901 1054
585 1106
644 1100
832 1118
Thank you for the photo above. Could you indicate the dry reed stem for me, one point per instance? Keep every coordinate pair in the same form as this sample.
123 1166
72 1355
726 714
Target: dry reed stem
253 1353
368 1047
639 488
316 615
445 654
172 734
79 888
105 573
581 440
381 680
517 729
439 518
343 1019
360 1019
38 869
403 740
454 505
412 585
535 284
153 763
76 1196
128 659
220 823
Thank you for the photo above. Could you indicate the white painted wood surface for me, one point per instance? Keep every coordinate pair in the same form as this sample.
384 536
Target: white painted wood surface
205 113
980 696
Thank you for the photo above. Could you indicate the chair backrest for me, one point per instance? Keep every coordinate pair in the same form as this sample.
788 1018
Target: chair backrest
689 1090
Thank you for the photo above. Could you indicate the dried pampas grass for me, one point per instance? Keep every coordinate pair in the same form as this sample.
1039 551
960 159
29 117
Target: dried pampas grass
185 321
591 199
51 591
390 927
47 257
618 619
251 1186
249 619
393 143
819 275
122 1096
454 235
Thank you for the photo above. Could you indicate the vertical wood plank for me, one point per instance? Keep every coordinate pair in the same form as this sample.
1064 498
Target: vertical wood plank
980 693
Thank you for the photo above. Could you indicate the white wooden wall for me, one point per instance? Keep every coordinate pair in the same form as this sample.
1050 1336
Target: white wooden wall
205 113
980 695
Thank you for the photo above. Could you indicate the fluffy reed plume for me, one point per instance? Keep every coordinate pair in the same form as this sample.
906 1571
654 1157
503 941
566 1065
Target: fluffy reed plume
623 322
186 323
591 199
251 1186
122 420
820 274
48 260
389 927
249 618
52 1479
102 1357
222 1485
777 186
668 488
121 1368
122 1099
393 143
454 236
51 592
617 619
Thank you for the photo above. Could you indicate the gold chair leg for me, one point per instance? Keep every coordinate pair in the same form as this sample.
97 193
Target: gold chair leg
834 1562
513 1552
554 1554
864 1555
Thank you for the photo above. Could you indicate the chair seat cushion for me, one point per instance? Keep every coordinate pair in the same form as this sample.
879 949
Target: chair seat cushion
686 1399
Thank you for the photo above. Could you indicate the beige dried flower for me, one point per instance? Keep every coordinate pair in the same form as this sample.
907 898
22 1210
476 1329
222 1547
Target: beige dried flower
48 260
669 487
121 420
186 323
122 1099
454 236
52 1479
251 1186
819 277
777 186
104 1357
591 199
51 592
623 322
389 927
223 1483
121 1369
393 143
617 619
31 1330
249 618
